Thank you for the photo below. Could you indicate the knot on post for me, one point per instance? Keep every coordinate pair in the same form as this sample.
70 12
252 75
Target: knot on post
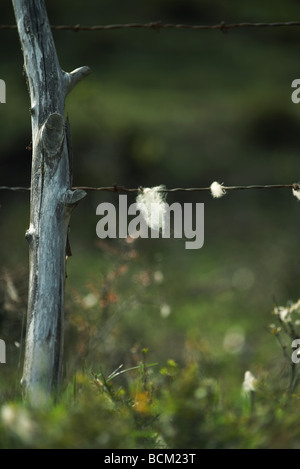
52 134
71 198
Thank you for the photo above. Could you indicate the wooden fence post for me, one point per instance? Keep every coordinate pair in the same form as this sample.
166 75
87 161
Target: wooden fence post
52 199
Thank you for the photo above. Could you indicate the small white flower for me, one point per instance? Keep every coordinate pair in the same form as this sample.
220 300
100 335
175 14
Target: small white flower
165 310
151 203
217 190
274 329
249 383
158 277
89 300
295 306
283 313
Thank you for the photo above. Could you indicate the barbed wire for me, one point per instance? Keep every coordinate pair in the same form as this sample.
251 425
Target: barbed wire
15 189
116 188
158 25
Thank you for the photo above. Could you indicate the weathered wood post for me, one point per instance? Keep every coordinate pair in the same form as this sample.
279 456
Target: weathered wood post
52 199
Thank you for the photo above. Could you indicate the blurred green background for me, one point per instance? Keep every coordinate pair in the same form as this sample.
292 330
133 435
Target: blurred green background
180 108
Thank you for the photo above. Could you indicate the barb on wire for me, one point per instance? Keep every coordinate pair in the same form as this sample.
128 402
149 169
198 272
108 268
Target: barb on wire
116 188
158 25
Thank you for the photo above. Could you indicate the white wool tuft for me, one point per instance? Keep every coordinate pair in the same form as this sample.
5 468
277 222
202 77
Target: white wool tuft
296 193
217 190
151 203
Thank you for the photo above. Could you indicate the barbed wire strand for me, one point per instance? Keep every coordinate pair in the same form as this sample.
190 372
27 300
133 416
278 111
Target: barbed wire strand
158 25
15 189
116 188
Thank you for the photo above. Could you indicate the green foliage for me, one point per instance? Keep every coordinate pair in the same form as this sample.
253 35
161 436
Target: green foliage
176 408
115 396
